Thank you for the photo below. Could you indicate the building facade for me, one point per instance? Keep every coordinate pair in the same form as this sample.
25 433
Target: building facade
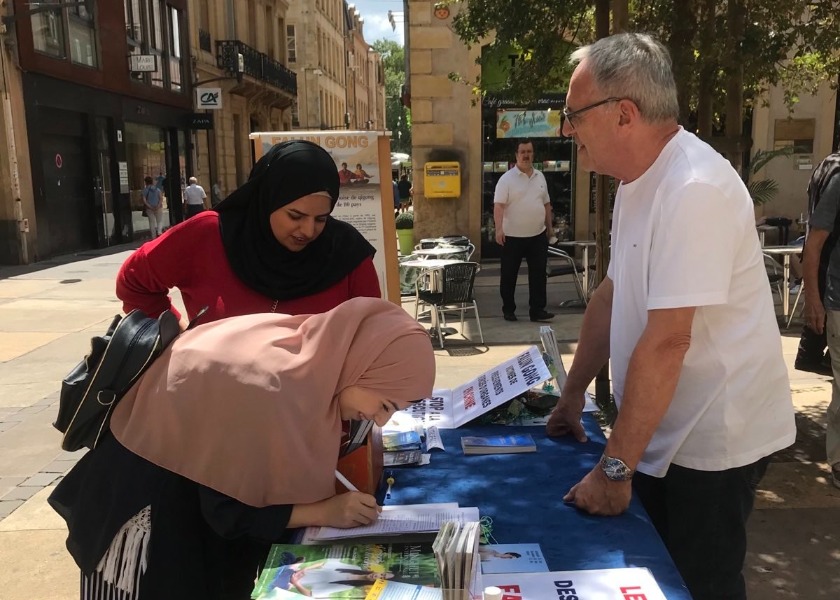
365 78
96 97
240 51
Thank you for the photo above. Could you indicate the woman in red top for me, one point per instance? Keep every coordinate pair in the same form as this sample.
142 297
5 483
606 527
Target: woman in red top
271 246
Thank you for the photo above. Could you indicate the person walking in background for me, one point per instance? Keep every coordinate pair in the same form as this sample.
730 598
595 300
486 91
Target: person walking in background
688 326
821 278
195 199
216 193
404 186
522 213
153 203
396 192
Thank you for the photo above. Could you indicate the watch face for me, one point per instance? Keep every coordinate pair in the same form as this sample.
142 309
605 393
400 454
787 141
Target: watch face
615 469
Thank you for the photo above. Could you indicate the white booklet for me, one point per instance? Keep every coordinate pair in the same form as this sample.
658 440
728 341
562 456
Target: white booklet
449 409
603 584
398 520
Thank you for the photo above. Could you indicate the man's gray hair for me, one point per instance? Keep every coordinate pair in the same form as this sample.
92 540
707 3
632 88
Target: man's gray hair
634 66
193 180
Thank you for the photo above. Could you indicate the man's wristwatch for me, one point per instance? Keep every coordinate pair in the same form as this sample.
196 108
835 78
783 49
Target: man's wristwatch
615 469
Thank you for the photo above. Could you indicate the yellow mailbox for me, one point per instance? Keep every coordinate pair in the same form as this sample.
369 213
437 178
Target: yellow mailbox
442 180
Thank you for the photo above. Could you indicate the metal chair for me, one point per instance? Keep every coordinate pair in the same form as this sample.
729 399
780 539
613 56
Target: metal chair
452 292
568 267
774 274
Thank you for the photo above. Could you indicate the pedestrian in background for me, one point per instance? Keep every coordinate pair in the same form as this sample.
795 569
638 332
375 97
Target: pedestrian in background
688 326
153 203
195 199
821 278
216 193
522 213
404 186
270 246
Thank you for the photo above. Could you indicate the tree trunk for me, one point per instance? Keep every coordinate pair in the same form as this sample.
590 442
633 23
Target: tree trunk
602 215
708 66
620 16
680 44
736 20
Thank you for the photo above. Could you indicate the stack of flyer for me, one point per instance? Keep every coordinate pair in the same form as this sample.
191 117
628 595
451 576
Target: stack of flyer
456 551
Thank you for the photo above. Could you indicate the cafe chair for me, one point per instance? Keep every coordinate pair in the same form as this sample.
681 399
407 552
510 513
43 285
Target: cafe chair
453 291
774 275
566 266
796 304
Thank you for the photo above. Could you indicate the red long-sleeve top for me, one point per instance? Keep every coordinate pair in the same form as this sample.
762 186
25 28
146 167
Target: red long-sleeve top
191 257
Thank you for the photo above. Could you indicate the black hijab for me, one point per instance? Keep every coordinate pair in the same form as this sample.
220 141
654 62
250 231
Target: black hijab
287 172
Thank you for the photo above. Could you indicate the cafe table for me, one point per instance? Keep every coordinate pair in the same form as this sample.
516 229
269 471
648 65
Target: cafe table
523 496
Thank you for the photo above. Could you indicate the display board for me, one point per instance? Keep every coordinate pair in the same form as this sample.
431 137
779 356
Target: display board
363 160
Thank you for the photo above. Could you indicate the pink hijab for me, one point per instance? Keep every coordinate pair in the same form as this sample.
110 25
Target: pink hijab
247 405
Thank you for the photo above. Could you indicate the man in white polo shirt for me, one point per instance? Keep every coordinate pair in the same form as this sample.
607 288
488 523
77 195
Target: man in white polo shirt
522 211
194 198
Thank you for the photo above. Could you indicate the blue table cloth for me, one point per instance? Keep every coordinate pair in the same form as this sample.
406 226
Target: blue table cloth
523 494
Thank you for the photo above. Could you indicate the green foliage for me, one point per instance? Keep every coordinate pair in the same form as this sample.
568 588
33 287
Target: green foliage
532 32
764 190
794 44
397 117
405 220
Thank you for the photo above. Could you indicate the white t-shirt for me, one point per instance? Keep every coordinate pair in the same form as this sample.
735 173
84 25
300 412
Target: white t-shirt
194 194
684 235
525 198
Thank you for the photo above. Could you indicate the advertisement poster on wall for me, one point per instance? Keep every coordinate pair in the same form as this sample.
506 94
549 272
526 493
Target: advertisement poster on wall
363 161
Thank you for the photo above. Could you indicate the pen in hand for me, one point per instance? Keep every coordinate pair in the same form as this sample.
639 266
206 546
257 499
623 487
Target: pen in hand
345 482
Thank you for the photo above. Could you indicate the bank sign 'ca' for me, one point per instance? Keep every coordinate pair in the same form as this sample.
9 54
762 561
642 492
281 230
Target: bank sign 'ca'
208 98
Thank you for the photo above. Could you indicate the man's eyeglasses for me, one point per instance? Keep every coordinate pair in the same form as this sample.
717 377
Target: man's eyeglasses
570 116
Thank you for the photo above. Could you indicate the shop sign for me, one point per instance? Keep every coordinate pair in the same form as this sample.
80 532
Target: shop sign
142 63
209 98
200 121
123 170
529 124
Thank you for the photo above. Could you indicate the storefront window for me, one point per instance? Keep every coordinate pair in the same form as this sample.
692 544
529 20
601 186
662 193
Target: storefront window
146 156
67 31
153 27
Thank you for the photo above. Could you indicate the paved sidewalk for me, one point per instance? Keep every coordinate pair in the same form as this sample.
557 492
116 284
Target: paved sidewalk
49 312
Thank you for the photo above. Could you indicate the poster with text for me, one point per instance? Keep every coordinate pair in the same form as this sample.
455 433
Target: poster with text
365 188
603 584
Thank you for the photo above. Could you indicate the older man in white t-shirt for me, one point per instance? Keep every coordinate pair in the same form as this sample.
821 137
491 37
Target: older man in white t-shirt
195 198
522 211
686 319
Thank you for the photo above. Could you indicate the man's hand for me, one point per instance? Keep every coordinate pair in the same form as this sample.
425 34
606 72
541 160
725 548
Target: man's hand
814 314
565 418
350 510
500 236
597 495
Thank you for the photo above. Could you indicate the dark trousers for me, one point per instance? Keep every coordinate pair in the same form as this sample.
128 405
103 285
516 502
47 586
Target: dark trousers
535 252
193 210
702 516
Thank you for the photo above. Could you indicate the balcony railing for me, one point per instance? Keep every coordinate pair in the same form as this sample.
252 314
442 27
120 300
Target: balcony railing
257 65
204 40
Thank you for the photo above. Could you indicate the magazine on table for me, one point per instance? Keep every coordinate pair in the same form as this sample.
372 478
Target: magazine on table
345 570
511 558
603 584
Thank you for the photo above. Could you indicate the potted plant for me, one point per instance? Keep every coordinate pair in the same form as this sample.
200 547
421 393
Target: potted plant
405 226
